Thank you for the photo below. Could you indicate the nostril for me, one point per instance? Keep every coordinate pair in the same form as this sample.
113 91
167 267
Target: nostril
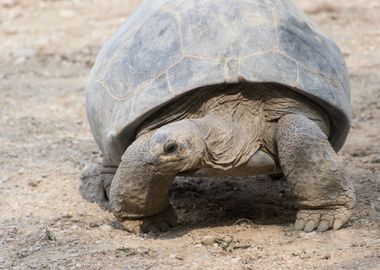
170 148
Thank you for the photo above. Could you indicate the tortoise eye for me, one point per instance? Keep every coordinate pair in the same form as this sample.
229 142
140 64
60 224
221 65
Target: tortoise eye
170 147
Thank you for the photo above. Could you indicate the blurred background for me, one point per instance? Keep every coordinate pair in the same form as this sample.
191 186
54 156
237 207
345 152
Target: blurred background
47 48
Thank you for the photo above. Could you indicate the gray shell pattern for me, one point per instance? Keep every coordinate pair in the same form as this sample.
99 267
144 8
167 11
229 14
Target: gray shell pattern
170 47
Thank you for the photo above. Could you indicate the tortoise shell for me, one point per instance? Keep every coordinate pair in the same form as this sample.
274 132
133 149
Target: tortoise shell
168 48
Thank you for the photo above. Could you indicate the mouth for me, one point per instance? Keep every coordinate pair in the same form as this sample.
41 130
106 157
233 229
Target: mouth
171 160
167 165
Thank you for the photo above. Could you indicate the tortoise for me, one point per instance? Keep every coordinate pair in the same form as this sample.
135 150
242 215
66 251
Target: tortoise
220 88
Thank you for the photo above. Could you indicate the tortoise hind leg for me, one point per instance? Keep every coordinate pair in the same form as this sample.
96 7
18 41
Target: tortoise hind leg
107 173
315 173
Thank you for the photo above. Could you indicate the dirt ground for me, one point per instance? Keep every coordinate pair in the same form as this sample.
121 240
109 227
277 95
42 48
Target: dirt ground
46 50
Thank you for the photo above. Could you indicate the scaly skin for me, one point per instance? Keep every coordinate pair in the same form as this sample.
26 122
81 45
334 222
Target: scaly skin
140 187
224 134
315 174
106 175
141 184
137 190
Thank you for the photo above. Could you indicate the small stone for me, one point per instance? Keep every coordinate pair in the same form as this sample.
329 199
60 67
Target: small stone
66 13
228 239
235 260
208 240
20 60
325 256
33 183
106 228
8 3
375 159
24 53
67 215
376 242
44 175
172 256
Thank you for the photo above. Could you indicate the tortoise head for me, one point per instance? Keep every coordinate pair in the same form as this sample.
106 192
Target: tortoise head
176 147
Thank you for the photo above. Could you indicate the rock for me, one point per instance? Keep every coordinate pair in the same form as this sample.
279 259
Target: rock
208 240
106 228
172 256
325 256
67 215
8 3
375 159
66 13
33 183
376 242
23 53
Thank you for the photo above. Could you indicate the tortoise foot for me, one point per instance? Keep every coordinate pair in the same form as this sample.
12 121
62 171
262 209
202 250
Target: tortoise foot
321 220
155 224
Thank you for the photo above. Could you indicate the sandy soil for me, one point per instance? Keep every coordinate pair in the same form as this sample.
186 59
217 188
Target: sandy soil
46 51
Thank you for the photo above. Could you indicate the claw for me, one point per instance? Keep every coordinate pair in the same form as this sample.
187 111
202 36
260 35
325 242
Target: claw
310 226
155 224
130 227
338 224
323 226
299 225
322 219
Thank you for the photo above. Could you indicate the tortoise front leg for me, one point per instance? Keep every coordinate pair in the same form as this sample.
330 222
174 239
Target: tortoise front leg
315 173
138 192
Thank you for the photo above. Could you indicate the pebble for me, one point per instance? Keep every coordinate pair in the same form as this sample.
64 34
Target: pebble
67 215
8 3
376 242
172 256
208 240
228 239
106 228
24 53
33 183
66 13
235 260
325 256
